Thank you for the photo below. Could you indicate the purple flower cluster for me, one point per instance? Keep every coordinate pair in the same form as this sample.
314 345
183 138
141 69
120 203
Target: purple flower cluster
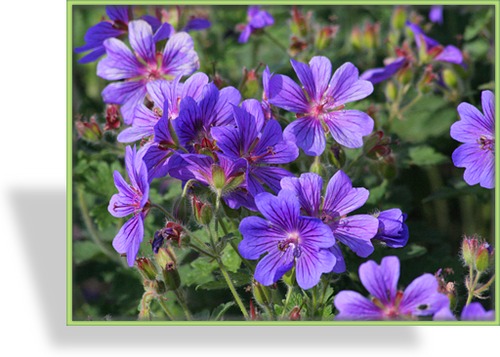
420 298
477 133
329 214
256 19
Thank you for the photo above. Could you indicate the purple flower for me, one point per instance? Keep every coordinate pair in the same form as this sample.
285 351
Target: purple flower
257 19
196 119
131 199
377 75
433 49
266 76
391 228
340 199
146 65
472 312
320 104
436 14
420 298
477 132
116 26
166 97
224 176
288 239
260 144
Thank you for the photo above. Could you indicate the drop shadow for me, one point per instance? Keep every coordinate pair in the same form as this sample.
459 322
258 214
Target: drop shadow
41 216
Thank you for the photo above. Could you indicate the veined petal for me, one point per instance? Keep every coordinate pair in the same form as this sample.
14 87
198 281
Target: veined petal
159 92
315 234
308 134
223 109
283 210
305 77
381 281
254 107
141 40
129 238
377 75
164 31
266 271
117 13
193 86
189 122
308 189
286 94
392 230
356 232
479 164
142 126
488 104
349 126
247 128
450 54
354 306
341 197
128 94
340 266
321 69
311 264
179 56
471 126
259 237
421 297
119 63
228 140
238 198
476 312
270 175
346 87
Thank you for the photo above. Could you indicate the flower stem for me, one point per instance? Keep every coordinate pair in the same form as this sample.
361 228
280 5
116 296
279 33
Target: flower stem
472 287
275 41
182 302
233 289
287 300
485 286
165 212
165 309
92 230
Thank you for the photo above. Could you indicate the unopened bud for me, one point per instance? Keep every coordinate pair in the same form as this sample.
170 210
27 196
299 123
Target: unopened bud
325 36
484 253
261 294
90 130
218 177
469 251
337 156
171 276
112 117
202 211
165 256
250 83
299 24
295 314
449 78
356 37
391 92
317 167
398 18
146 268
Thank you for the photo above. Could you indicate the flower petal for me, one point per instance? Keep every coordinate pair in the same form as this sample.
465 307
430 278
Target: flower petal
259 236
266 271
119 63
141 40
270 175
479 164
381 281
472 124
476 312
128 94
356 232
346 87
308 189
349 126
354 306
129 238
311 264
286 94
308 134
488 104
305 76
321 69
179 56
392 230
283 210
421 297
341 197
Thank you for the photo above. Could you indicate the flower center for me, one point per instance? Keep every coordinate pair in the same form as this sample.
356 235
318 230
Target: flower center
292 241
487 143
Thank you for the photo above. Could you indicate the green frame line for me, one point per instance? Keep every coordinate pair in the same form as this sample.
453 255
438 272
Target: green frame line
69 163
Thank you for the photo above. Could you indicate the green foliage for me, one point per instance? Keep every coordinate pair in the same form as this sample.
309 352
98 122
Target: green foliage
425 155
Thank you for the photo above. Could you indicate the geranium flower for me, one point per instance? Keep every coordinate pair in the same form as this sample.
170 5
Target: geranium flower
434 49
436 14
260 143
420 298
178 59
391 228
320 105
116 26
289 240
340 199
377 75
256 19
472 312
131 199
166 97
477 131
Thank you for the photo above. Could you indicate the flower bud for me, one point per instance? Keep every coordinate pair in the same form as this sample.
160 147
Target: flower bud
299 24
171 276
250 83
484 253
391 92
218 177
377 146
261 294
469 251
450 78
146 268
337 156
202 211
295 314
388 168
325 36
164 256
317 168
90 130
112 117
371 35
398 18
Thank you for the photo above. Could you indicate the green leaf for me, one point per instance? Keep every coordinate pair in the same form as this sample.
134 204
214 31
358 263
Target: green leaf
425 155
411 251
220 310
231 259
377 193
479 21
84 250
